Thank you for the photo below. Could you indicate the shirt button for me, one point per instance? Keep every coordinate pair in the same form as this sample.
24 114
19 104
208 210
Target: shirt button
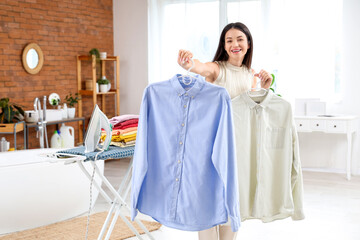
179 94
181 143
177 179
182 124
186 94
179 161
185 106
192 96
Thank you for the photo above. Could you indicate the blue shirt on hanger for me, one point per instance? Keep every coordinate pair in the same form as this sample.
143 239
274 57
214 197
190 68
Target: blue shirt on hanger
184 169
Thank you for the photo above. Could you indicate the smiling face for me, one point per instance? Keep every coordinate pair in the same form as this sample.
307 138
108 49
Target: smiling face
236 44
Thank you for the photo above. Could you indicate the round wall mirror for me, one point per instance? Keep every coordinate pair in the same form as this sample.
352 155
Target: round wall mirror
32 58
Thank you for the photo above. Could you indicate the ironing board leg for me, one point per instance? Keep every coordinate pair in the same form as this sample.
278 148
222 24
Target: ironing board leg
107 183
117 203
127 191
141 225
144 228
117 213
126 177
102 192
107 220
117 197
106 196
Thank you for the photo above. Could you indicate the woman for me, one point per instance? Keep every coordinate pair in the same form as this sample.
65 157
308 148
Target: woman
231 66
231 69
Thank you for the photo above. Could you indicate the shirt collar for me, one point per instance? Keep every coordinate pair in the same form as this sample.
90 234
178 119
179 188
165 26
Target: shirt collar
193 91
253 104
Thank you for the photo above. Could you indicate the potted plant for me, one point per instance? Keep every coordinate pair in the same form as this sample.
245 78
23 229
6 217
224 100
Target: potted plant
95 52
71 101
273 85
10 114
10 111
104 84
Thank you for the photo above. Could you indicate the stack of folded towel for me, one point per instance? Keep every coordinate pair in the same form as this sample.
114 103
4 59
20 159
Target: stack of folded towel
124 130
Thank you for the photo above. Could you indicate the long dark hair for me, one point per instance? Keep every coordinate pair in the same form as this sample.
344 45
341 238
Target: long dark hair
221 54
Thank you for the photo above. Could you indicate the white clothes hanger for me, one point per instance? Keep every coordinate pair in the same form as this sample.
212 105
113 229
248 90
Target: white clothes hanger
187 75
257 91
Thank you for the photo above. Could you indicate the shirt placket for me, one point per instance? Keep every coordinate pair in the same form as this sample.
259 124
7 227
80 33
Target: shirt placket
259 135
259 142
185 101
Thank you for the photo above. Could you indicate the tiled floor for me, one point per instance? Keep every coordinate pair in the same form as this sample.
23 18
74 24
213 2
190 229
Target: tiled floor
331 204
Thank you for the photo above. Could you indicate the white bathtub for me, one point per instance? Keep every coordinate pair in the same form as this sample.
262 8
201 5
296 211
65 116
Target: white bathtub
34 192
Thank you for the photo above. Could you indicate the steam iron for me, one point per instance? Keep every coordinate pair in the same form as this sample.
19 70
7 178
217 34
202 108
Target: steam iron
97 122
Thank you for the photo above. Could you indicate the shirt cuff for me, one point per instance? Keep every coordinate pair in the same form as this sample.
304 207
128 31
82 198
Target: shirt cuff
235 223
298 215
134 212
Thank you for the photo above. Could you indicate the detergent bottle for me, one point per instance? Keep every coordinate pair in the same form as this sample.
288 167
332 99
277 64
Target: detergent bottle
55 140
67 136
4 145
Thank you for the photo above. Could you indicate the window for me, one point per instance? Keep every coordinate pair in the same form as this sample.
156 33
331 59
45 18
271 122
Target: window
190 27
297 40
182 25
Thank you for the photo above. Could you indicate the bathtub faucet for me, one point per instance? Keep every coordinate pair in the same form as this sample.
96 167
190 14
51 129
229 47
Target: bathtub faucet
41 124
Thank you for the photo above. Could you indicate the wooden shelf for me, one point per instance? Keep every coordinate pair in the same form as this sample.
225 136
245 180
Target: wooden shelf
13 128
109 58
10 127
89 58
90 92
115 83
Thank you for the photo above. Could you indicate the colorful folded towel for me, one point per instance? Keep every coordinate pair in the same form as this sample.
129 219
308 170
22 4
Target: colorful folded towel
123 144
126 126
127 122
122 118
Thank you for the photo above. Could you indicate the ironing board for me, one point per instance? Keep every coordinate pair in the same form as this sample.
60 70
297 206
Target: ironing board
117 199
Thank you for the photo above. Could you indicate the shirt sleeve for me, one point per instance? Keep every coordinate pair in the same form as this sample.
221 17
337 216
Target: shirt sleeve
224 160
140 161
296 177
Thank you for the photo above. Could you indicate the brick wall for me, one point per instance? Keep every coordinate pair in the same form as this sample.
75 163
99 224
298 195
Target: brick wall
63 29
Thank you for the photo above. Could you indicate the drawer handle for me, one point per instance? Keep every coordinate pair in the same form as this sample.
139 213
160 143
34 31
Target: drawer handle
300 125
317 124
334 126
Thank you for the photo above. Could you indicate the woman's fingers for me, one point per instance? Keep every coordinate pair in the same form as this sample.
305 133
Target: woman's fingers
184 56
181 55
265 83
265 78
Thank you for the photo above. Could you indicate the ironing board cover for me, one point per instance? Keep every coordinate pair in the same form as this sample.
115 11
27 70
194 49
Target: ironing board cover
113 152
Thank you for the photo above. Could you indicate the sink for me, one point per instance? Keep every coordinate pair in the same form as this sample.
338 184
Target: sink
51 115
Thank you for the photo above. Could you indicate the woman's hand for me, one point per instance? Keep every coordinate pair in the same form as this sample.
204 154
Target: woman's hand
265 77
184 59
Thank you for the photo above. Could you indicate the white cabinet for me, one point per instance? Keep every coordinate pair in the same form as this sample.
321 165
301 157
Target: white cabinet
302 125
342 125
336 126
317 125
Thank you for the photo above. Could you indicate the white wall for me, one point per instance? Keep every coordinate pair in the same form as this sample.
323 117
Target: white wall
317 150
329 151
130 43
